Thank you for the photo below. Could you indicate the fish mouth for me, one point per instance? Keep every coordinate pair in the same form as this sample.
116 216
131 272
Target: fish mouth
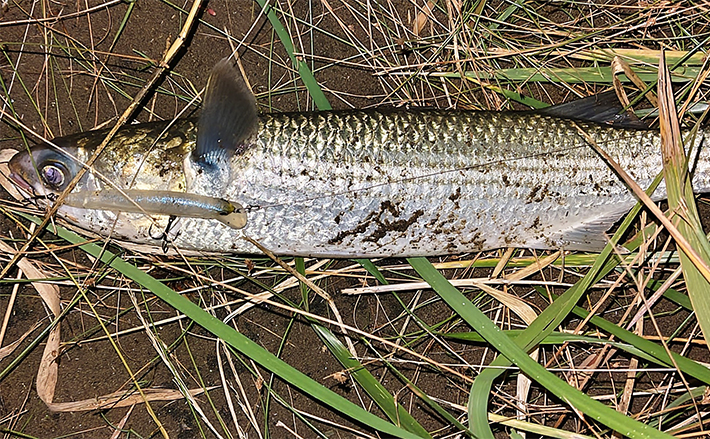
17 176
20 181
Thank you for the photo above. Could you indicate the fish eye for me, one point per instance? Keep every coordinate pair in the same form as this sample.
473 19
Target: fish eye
53 175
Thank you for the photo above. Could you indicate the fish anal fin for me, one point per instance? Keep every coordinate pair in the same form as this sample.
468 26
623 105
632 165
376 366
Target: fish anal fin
582 239
602 108
228 117
589 235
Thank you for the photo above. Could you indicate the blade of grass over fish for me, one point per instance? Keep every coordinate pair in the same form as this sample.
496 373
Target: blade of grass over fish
681 200
507 347
301 66
397 414
232 337
698 261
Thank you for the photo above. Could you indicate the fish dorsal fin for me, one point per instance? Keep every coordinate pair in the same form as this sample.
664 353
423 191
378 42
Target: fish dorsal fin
600 108
228 116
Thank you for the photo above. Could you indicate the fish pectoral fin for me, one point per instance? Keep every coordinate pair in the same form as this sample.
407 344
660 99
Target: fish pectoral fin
600 108
228 118
589 235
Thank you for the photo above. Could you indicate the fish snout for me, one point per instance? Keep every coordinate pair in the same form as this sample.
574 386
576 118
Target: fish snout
18 165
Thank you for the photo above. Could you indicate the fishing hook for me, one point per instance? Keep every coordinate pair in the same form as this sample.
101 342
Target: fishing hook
165 234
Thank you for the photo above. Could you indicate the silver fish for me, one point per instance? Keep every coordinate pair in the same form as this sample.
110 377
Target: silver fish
362 183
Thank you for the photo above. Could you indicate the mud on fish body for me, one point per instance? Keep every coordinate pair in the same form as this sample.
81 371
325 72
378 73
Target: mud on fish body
372 183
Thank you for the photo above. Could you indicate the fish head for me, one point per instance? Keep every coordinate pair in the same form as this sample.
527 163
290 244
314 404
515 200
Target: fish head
141 157
44 171
144 156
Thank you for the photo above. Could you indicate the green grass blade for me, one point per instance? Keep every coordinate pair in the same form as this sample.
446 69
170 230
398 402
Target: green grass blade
301 66
397 414
686 365
505 420
428 401
545 323
379 394
122 26
373 270
568 75
681 200
654 353
507 347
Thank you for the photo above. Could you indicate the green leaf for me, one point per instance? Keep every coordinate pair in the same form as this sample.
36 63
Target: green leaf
681 200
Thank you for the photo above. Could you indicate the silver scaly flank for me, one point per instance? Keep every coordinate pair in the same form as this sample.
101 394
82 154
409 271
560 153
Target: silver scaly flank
365 183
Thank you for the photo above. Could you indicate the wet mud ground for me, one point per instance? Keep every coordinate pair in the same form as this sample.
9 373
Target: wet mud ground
72 100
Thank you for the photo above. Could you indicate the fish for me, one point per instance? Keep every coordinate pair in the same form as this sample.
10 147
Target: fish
392 182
